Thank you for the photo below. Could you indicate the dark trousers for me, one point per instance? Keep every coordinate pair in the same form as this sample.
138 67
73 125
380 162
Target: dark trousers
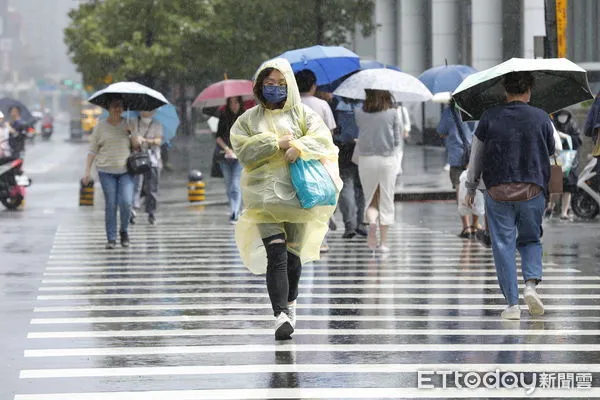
352 198
283 273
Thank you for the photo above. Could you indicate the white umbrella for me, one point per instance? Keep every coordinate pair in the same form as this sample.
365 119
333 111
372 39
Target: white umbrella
135 96
403 86
559 83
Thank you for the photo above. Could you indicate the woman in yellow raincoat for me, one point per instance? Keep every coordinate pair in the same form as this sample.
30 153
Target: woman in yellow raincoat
275 234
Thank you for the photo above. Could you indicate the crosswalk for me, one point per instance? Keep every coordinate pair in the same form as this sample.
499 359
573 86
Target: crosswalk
178 317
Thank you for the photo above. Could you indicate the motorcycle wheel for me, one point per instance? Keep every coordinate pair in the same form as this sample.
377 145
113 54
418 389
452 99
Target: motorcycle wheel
584 206
12 203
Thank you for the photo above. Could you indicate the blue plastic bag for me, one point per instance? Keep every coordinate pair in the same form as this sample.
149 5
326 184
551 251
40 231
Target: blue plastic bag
314 186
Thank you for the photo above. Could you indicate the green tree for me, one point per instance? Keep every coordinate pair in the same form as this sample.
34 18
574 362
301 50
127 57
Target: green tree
167 42
143 40
245 33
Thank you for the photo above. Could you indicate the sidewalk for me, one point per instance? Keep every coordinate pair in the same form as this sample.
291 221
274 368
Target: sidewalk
423 178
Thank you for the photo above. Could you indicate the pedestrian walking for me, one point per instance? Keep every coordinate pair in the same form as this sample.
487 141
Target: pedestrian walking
458 136
266 139
511 147
570 136
307 85
17 129
110 145
352 197
149 133
228 162
406 128
379 135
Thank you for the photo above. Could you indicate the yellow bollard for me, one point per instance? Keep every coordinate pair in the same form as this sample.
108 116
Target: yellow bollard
196 187
86 194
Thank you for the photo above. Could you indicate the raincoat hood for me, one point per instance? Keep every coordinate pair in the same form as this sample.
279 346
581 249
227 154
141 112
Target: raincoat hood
566 112
293 93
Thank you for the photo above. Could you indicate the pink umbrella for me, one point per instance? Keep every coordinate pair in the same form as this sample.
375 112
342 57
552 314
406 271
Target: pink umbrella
216 94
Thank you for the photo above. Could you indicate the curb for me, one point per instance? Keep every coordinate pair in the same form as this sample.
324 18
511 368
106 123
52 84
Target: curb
425 196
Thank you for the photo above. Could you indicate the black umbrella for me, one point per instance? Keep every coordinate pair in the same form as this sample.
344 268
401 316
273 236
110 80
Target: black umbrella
6 104
559 83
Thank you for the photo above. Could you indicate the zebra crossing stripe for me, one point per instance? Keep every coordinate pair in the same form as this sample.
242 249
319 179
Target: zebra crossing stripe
271 348
320 393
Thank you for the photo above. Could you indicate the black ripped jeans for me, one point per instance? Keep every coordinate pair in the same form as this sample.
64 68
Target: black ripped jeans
283 273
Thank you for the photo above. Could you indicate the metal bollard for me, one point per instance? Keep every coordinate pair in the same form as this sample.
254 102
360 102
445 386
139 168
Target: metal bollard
196 187
86 194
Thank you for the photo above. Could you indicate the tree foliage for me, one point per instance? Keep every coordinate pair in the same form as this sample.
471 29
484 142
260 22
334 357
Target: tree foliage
163 42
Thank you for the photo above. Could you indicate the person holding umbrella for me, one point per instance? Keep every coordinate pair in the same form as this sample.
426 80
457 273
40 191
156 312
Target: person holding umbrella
380 134
228 162
266 139
149 133
511 147
110 146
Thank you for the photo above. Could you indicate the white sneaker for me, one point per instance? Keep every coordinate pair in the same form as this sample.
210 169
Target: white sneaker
512 312
292 313
384 249
536 307
283 327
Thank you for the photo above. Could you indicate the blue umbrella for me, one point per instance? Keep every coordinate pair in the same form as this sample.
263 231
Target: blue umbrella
445 78
166 115
372 64
327 62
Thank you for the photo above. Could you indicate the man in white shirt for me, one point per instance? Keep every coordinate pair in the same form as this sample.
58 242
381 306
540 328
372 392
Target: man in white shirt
307 84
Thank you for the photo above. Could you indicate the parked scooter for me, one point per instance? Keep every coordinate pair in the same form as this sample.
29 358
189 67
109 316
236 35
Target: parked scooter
12 183
586 201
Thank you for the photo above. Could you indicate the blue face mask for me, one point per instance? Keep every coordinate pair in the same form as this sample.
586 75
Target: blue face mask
275 94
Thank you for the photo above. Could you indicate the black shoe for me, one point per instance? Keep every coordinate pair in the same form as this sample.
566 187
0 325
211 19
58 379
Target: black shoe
124 239
348 235
484 238
361 232
111 245
151 219
332 225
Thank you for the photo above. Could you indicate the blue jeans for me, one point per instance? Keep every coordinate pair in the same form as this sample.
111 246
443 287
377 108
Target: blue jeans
516 225
118 191
232 171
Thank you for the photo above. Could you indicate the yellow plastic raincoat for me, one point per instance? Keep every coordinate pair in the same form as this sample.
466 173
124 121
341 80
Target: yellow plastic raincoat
267 190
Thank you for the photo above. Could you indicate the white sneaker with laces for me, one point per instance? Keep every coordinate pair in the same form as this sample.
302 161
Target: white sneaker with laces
536 307
283 327
292 313
512 312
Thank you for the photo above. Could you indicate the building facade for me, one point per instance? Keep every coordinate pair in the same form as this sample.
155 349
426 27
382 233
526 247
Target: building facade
419 34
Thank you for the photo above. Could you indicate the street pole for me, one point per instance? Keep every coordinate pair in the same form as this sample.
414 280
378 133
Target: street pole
551 42
561 27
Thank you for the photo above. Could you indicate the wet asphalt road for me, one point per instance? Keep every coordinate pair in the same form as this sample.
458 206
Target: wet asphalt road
177 317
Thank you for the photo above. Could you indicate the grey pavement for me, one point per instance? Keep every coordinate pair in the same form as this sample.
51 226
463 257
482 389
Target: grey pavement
177 316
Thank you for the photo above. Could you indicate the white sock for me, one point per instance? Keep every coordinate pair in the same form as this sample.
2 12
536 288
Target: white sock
532 284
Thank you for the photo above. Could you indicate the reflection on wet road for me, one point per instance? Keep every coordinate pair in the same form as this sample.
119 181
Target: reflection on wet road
177 317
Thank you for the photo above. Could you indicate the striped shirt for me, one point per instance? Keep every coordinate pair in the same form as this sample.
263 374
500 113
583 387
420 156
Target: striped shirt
112 146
